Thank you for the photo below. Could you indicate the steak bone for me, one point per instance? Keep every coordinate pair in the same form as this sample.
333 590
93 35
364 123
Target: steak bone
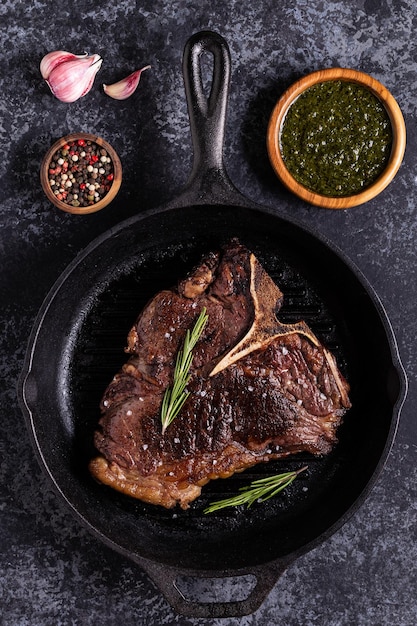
265 326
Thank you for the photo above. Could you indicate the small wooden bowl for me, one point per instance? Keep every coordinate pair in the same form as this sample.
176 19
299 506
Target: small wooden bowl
106 199
398 137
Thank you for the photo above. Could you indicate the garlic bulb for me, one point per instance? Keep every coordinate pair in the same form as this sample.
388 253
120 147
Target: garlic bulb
69 76
125 87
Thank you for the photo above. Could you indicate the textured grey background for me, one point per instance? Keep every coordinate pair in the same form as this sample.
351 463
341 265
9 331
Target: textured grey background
51 571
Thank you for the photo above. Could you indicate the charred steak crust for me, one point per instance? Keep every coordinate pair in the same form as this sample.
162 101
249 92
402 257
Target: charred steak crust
260 390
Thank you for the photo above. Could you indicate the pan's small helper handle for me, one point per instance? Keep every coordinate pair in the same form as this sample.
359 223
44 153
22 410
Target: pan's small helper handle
207 113
167 579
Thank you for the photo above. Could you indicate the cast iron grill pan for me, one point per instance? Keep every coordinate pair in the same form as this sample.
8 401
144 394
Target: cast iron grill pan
77 346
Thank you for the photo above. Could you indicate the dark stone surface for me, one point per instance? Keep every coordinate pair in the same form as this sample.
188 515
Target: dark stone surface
51 570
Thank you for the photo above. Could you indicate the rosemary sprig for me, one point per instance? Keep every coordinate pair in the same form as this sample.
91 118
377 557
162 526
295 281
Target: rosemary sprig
257 491
175 396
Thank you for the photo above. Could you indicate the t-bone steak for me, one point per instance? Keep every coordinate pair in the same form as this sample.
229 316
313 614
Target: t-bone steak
259 390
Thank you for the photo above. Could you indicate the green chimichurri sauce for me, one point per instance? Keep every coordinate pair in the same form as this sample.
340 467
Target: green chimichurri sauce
336 138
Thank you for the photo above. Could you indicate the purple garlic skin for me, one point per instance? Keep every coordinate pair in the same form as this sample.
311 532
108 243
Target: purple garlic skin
126 87
69 76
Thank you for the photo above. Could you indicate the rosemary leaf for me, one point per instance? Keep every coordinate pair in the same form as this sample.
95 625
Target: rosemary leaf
175 396
257 491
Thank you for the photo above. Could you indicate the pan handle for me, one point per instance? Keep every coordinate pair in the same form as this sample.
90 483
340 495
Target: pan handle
208 179
167 579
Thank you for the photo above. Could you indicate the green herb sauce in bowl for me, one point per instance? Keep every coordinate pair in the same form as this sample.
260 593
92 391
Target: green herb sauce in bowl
336 138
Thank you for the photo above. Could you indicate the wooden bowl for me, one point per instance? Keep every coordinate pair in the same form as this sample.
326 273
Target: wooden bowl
114 185
398 137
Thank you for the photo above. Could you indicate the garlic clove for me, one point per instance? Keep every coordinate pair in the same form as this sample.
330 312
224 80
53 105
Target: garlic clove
125 87
74 77
52 59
